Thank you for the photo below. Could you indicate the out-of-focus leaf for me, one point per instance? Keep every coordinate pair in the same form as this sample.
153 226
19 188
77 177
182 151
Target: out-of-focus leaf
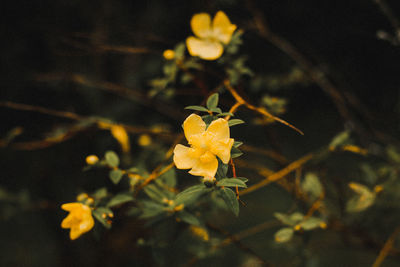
154 193
189 218
340 139
120 199
365 198
291 220
111 158
197 108
116 175
99 213
312 185
311 223
284 235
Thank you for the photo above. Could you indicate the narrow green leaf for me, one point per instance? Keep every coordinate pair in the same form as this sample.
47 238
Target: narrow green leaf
311 223
243 179
216 110
291 220
197 108
237 144
212 101
234 122
191 194
284 235
111 158
119 199
116 175
154 193
189 218
231 182
236 152
223 114
231 200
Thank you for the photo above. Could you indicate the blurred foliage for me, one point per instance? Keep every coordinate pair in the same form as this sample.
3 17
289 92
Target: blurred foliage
93 96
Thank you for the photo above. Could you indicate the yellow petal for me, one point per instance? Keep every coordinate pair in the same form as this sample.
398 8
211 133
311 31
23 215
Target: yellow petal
208 168
218 130
205 49
222 150
193 125
74 233
201 25
182 157
68 221
87 223
71 206
222 27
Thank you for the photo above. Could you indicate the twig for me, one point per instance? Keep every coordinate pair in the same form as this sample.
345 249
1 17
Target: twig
279 174
386 248
390 16
259 110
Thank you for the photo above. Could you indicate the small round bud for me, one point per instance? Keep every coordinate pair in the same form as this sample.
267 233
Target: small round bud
144 140
92 159
169 54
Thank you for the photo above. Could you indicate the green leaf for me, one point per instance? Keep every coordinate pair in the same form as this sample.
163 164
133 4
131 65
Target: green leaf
119 199
365 198
222 169
236 152
340 139
312 185
231 200
243 179
231 182
154 193
191 194
284 235
237 144
169 178
223 114
234 122
197 108
151 209
311 223
291 220
216 110
212 101
98 214
100 193
189 218
112 158
116 175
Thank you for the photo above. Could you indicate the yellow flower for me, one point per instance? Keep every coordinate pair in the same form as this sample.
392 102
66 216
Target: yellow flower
120 134
211 36
92 159
205 145
79 219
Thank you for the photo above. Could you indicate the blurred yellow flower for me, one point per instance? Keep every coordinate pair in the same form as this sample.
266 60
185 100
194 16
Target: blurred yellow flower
144 140
210 36
205 145
79 219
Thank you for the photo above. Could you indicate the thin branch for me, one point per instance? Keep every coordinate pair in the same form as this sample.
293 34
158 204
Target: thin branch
259 110
386 248
279 174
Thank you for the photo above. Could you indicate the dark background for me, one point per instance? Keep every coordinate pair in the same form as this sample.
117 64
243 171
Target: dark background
42 37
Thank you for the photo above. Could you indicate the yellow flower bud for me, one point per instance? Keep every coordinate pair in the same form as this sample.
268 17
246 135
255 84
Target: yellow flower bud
169 54
92 159
144 140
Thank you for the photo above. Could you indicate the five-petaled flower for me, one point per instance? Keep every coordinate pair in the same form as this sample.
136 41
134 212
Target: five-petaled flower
211 35
205 145
79 219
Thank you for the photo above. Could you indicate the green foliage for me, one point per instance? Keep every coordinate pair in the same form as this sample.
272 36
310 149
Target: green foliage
230 199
